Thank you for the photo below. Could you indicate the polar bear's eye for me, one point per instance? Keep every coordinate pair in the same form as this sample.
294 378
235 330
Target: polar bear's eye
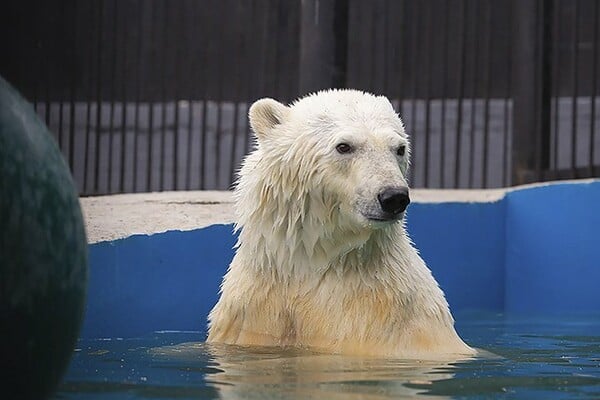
401 150
344 148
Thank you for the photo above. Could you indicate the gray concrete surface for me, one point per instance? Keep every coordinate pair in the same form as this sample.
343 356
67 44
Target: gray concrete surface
118 216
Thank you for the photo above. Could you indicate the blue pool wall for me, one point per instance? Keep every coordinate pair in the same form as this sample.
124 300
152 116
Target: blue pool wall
535 251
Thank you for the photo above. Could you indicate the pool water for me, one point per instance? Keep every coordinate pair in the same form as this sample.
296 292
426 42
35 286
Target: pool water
534 358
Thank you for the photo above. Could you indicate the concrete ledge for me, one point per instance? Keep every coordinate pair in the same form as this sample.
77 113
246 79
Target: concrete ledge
119 216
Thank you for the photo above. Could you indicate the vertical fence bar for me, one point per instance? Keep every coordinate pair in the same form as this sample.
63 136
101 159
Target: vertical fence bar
203 143
60 92
63 33
277 56
150 133
402 72
124 80
594 88
150 146
507 101
236 115
445 79
190 129
72 85
163 95
204 123
240 45
373 47
250 28
474 93
207 28
545 60
531 73
60 122
488 83
47 81
263 73
219 100
386 45
37 57
461 89
179 38
292 86
415 86
428 57
192 26
341 15
556 77
98 96
575 76
138 92
88 100
113 93
46 73
318 46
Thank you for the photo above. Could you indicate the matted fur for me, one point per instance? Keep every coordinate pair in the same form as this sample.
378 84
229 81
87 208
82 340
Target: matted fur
310 268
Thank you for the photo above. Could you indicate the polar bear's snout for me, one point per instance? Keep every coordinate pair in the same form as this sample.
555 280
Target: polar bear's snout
394 200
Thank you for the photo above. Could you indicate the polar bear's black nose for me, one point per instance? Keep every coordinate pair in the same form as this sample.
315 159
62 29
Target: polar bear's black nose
394 200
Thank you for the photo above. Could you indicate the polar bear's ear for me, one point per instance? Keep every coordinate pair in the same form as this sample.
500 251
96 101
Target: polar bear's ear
265 114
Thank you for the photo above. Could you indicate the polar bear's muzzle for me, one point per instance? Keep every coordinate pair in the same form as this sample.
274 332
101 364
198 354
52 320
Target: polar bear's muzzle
393 201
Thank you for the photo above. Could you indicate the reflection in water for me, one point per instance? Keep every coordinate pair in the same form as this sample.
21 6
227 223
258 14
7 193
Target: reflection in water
259 372
557 358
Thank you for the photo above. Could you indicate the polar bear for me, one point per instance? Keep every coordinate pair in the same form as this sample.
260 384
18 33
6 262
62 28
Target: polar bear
323 260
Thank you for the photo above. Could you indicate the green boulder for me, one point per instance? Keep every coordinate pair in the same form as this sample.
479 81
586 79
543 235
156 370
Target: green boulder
43 254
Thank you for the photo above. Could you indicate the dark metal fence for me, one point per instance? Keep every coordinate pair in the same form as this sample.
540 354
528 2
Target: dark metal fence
148 95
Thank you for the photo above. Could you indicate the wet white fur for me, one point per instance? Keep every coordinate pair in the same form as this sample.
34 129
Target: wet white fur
310 269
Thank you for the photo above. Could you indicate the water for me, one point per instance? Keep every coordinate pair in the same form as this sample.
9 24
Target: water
535 358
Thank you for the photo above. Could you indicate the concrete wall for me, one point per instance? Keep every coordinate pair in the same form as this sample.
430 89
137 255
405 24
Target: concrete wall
533 250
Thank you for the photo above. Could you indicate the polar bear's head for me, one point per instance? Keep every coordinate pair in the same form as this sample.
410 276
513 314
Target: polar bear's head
337 154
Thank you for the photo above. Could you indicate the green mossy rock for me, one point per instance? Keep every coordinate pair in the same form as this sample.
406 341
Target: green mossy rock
43 254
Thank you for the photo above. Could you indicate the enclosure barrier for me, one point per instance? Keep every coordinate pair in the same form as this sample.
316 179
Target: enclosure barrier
527 251
153 95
